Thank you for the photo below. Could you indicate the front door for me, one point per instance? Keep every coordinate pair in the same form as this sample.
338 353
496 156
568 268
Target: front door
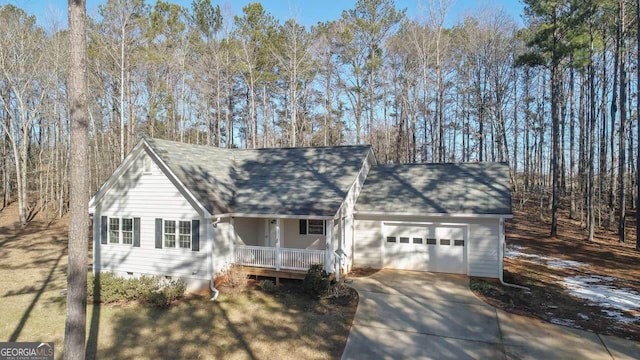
272 232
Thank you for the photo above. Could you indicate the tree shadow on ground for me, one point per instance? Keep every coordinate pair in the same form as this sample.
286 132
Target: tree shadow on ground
252 325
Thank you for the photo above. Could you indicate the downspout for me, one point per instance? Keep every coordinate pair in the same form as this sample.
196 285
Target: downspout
216 292
501 257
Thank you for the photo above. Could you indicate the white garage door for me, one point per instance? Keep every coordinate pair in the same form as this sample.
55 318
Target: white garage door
425 248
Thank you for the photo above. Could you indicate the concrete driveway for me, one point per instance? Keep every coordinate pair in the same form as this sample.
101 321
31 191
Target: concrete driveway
405 314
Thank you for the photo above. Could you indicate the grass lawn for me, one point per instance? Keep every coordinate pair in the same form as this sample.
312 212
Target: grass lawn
250 325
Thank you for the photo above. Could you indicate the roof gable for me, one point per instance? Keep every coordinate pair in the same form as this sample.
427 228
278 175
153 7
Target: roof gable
142 148
284 181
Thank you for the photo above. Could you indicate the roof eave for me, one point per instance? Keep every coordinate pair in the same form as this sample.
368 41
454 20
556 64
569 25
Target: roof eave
451 215
273 216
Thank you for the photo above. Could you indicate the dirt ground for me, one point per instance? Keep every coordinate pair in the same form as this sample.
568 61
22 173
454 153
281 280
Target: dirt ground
565 259
251 324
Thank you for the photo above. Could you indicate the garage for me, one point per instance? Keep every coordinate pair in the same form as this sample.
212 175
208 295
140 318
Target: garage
445 218
425 247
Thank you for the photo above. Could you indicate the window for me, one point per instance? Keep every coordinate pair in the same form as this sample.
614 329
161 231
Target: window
127 231
169 233
445 242
311 227
431 241
114 230
404 240
316 227
185 234
417 240
458 242
391 239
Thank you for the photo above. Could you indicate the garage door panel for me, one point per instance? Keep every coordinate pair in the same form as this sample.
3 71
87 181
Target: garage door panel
425 248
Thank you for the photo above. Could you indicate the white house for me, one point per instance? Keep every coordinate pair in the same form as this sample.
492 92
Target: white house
191 211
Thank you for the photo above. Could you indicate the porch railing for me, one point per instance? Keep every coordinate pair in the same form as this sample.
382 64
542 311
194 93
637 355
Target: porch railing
285 258
260 256
300 259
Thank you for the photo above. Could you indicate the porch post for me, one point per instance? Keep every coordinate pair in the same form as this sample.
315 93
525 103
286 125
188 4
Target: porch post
328 255
340 241
277 244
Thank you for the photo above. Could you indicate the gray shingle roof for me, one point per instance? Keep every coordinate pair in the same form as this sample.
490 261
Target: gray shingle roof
286 181
478 188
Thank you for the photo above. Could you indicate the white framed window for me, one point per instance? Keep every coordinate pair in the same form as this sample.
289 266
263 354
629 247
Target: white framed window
120 231
315 227
169 233
184 235
127 231
311 227
114 230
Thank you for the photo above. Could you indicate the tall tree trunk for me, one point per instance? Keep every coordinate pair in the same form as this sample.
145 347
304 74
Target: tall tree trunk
555 143
591 145
604 125
623 126
638 128
572 132
122 89
75 326
614 109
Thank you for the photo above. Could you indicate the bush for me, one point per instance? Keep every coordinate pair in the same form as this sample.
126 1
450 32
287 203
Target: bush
340 293
267 286
316 281
154 290
236 279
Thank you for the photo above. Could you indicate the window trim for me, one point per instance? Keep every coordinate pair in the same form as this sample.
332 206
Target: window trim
165 233
179 239
121 230
308 233
176 245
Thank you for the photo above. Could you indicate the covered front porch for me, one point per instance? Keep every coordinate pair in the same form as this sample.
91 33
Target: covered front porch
264 245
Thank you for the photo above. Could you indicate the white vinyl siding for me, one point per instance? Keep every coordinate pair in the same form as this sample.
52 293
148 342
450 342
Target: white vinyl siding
367 244
148 197
483 248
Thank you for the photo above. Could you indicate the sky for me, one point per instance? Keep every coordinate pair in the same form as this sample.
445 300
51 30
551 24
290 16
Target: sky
306 12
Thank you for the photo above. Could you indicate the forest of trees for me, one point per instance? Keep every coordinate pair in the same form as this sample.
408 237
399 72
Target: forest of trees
556 98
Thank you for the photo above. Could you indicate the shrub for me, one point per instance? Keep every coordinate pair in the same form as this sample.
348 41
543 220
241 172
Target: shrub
267 286
340 293
236 279
154 290
316 281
